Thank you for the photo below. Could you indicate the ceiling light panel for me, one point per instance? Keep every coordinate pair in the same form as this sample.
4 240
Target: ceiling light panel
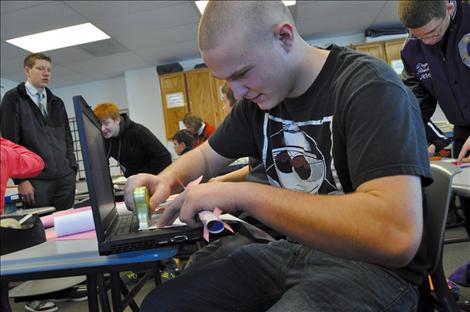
59 38
201 4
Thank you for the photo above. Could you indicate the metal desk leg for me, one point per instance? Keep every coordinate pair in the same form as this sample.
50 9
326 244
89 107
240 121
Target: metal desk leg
116 292
129 296
5 304
91 292
158 268
103 293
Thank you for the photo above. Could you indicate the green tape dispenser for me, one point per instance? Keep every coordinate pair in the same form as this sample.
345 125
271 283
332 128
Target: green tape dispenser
142 207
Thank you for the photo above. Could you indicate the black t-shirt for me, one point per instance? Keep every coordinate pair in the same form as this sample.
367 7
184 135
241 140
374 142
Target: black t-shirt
356 122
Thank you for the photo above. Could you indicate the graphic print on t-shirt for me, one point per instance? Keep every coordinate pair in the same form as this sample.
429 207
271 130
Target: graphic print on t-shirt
297 154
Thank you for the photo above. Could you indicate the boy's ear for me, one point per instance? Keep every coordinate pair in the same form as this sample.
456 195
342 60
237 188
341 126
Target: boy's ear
284 32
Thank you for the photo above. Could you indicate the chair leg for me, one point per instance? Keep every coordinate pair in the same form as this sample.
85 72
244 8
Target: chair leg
465 203
446 300
5 304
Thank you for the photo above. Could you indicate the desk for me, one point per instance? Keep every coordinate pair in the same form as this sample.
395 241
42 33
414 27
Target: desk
461 187
75 257
461 183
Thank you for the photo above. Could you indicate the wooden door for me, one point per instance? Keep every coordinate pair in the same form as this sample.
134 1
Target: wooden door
174 101
201 92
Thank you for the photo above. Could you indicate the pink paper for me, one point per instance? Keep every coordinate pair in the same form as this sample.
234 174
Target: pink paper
194 183
48 221
208 216
51 235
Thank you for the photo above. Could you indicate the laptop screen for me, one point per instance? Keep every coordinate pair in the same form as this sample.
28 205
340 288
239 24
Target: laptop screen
97 173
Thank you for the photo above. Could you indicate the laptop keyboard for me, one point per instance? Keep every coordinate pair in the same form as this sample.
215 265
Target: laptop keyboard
124 225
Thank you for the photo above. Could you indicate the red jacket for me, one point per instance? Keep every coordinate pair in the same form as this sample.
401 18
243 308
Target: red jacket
16 162
206 133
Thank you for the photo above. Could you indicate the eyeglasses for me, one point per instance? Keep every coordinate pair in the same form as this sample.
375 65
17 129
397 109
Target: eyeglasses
436 32
285 164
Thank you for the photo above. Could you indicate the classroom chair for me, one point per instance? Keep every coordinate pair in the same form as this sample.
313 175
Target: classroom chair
434 292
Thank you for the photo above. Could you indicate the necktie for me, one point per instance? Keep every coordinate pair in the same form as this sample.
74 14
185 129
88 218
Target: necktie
41 105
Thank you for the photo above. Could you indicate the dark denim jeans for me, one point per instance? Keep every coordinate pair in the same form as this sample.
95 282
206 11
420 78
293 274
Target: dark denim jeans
284 276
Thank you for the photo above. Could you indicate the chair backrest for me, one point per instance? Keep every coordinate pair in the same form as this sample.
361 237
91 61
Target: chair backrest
437 199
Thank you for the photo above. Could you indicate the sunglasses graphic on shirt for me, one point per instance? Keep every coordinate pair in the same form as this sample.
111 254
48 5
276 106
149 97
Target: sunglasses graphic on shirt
295 160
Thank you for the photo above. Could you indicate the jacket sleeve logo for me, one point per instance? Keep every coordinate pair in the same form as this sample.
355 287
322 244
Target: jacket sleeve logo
464 49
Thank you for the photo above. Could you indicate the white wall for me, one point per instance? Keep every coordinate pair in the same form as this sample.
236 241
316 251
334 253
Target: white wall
7 85
145 104
110 90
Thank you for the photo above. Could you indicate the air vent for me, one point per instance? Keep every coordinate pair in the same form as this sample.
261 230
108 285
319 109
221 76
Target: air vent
104 47
149 244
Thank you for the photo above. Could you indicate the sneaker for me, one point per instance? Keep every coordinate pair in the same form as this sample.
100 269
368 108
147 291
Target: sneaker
75 293
169 271
41 305
131 278
167 275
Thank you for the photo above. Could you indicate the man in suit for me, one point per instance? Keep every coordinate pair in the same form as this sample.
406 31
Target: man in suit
32 116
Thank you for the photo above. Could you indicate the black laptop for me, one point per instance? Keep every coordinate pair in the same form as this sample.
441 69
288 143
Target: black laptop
115 233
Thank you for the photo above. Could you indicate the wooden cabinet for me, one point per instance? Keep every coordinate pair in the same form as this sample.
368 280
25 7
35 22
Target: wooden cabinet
204 95
385 50
196 91
393 49
374 49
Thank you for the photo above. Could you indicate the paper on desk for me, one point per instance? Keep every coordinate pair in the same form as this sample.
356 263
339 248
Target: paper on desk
74 223
51 235
120 180
453 161
48 221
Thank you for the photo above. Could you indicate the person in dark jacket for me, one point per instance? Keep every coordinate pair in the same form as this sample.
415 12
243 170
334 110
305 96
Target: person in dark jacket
437 63
134 146
32 116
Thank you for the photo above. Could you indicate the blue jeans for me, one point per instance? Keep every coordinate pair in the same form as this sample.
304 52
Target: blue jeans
284 276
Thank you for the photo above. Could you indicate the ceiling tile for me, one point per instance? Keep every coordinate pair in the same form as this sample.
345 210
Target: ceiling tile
389 13
108 66
9 6
159 38
171 53
39 18
9 51
98 10
308 10
160 19
344 23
